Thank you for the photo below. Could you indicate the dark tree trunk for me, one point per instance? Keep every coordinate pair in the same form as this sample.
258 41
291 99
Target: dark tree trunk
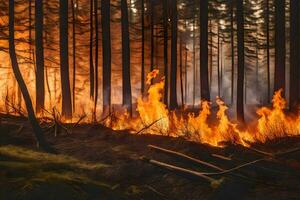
64 60
241 61
151 36
218 66
16 70
232 50
186 75
205 94
96 56
74 52
267 19
127 101
143 48
106 45
166 67
279 80
294 54
256 74
211 55
194 62
39 48
92 76
173 83
181 73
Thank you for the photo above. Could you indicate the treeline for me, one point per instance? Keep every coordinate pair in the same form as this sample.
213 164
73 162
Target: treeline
197 37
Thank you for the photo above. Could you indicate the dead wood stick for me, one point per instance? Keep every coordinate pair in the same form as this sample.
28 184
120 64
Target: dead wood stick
275 154
19 130
76 124
148 126
155 191
214 182
186 157
234 168
221 157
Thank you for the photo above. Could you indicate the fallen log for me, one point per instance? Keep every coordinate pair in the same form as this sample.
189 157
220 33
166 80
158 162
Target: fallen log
186 157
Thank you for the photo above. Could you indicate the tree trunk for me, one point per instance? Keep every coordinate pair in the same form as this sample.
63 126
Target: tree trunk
241 61
143 48
106 45
166 67
205 94
151 36
96 56
16 70
39 48
181 73
127 101
294 54
194 62
211 55
186 75
219 77
267 19
279 79
64 60
92 76
232 50
173 83
74 52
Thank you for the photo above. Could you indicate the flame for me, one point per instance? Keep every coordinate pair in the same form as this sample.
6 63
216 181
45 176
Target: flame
154 118
274 123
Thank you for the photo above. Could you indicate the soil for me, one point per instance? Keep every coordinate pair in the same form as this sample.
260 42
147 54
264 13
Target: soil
135 178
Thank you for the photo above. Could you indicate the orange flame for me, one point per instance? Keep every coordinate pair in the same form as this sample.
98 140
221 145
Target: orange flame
153 115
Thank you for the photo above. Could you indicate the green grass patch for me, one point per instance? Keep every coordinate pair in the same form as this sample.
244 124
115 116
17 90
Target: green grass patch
27 174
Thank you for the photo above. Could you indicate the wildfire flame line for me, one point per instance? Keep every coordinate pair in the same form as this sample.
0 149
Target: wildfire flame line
272 122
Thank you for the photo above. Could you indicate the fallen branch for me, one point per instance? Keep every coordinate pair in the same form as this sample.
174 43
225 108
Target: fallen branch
234 168
273 155
221 157
148 126
214 182
186 157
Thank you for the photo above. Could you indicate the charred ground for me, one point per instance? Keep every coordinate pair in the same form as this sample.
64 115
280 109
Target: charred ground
125 175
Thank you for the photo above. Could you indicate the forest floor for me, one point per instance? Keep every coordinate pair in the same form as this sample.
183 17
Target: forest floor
95 162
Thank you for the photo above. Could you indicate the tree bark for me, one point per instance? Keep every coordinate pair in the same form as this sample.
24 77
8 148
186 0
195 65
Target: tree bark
218 66
181 73
96 56
241 61
92 76
151 36
143 48
294 54
16 70
173 83
267 19
106 53
64 60
279 79
74 52
166 67
205 94
232 50
39 48
127 97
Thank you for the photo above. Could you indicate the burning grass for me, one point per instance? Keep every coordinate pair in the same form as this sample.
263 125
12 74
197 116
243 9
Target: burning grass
272 122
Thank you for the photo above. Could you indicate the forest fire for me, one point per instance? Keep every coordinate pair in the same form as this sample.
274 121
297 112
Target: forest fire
149 99
154 118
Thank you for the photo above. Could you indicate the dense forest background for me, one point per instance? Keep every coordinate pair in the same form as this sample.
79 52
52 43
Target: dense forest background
82 56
